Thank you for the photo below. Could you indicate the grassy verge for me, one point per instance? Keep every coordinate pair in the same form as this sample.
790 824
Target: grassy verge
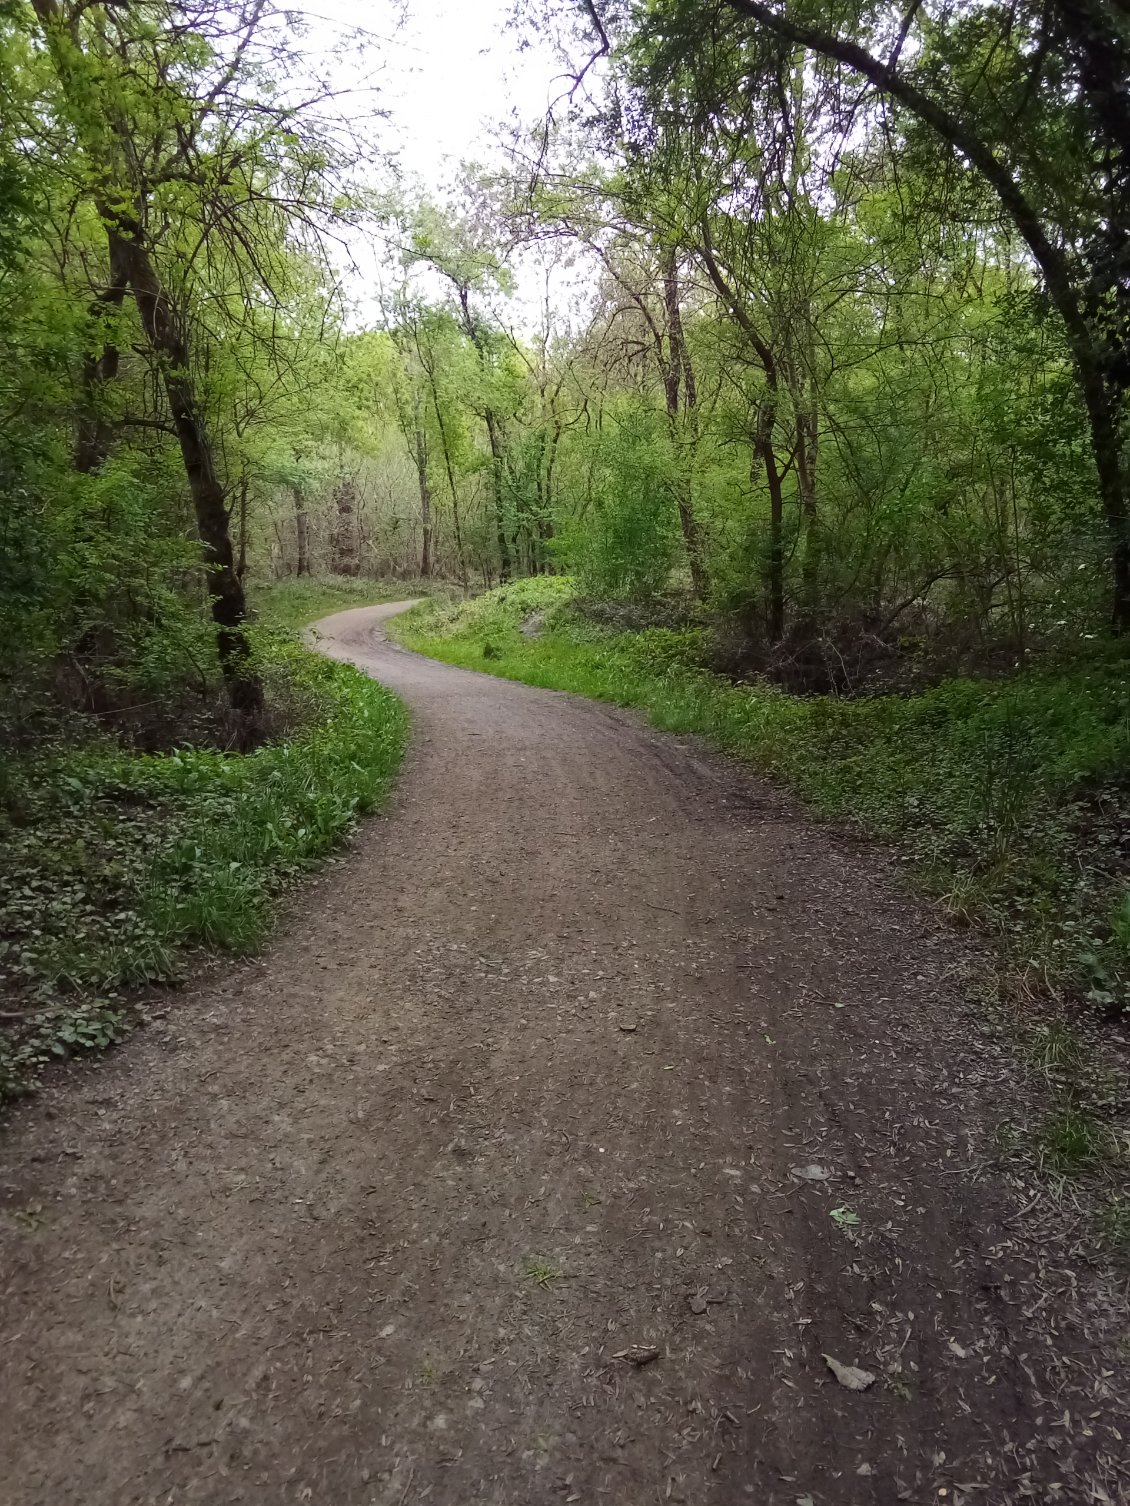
1010 798
290 605
117 868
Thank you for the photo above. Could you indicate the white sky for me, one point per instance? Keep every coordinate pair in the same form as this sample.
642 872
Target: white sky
448 72
449 69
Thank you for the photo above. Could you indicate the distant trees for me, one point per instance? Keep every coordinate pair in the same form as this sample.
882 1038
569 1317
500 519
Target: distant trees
830 338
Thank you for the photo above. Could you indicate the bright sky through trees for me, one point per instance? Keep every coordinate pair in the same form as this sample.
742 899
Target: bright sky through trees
448 75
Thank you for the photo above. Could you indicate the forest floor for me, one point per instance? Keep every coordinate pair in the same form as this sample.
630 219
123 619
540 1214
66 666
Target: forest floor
587 1131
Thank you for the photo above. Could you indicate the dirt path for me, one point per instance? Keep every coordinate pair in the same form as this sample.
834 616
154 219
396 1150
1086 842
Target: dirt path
521 1086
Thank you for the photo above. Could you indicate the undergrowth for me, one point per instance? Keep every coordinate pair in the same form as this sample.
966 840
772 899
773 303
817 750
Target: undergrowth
116 867
1010 798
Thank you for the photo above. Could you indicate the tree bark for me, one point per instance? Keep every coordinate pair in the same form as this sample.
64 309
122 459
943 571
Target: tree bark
244 524
474 333
301 533
497 451
421 454
229 603
764 451
678 365
99 368
806 457
344 544
450 468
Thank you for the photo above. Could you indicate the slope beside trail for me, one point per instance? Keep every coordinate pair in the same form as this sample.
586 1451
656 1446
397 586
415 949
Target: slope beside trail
574 1117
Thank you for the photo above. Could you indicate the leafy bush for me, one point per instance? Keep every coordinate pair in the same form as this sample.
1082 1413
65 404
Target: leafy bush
627 544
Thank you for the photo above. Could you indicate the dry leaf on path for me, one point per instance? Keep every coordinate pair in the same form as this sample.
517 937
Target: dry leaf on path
638 1354
850 1375
811 1173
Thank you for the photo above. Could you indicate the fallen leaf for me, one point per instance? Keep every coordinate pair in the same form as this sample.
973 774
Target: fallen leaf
638 1354
850 1376
811 1173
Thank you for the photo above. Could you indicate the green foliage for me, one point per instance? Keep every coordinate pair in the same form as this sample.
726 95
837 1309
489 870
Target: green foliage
626 546
1070 1139
70 1029
1010 796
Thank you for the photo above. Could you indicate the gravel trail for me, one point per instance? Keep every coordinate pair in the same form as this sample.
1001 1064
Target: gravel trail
573 1118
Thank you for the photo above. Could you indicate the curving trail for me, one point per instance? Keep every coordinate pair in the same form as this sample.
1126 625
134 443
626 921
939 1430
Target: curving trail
520 1086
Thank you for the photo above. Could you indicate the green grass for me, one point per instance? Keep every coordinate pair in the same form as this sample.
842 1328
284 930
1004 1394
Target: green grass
117 868
1070 1138
1011 799
294 604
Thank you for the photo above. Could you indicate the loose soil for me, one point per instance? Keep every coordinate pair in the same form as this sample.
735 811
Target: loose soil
574 1117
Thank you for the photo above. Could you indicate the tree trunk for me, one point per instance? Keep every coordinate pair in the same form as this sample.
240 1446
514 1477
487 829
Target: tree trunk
99 368
1103 413
344 544
548 531
494 435
421 452
763 450
301 533
474 333
229 603
450 469
244 525
678 365
806 456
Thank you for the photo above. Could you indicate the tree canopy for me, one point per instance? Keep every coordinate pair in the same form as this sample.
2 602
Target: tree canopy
818 316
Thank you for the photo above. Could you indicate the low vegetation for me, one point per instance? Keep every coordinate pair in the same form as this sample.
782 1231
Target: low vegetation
1010 796
118 866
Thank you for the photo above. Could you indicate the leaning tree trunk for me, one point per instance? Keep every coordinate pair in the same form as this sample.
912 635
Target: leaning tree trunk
168 342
